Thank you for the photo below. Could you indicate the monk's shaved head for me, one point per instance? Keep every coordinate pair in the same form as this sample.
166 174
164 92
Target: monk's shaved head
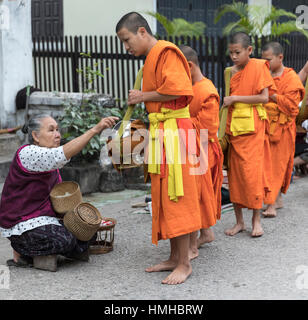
276 47
240 38
132 21
190 54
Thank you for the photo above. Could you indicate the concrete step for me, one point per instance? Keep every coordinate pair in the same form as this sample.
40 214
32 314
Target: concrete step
9 143
5 162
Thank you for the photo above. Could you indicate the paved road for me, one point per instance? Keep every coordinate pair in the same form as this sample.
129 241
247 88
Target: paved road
237 267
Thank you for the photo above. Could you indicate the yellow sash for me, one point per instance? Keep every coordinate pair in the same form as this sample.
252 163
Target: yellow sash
172 148
242 120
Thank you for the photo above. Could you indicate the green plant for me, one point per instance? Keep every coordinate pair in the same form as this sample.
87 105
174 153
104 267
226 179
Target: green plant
89 75
179 27
78 118
257 21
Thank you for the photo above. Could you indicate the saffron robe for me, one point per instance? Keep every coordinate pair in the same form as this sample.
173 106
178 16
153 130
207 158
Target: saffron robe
204 112
249 174
282 130
166 71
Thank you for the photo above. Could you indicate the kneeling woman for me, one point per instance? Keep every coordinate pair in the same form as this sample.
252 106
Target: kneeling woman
26 215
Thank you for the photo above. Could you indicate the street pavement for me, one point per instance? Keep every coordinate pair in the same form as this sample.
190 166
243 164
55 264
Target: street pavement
274 266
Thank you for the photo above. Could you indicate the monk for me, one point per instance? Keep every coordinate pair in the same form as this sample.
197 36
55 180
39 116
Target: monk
250 84
282 111
166 92
204 112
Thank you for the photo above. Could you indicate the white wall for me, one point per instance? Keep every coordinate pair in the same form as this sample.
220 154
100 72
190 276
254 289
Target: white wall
99 17
16 69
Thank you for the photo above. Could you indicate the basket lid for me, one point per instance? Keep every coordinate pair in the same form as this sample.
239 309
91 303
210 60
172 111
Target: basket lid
88 213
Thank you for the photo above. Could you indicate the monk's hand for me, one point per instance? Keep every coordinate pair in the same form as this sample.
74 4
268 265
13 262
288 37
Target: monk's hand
228 101
134 97
105 123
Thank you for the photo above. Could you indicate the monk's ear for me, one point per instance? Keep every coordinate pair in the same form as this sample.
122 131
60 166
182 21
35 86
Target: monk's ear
142 31
249 50
281 57
191 64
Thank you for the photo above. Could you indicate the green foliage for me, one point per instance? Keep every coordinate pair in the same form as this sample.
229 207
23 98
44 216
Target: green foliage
255 20
179 27
79 118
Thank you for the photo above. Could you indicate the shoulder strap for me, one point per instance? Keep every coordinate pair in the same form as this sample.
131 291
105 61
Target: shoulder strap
302 112
223 113
130 108
227 74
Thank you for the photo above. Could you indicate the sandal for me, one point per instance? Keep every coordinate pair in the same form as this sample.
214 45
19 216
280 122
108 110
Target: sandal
21 262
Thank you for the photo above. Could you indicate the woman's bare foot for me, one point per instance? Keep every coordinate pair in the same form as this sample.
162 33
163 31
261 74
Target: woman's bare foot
270 212
206 236
179 275
16 255
236 229
168 265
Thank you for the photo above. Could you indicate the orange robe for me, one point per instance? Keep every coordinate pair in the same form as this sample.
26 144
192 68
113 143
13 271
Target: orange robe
166 71
249 154
204 111
282 130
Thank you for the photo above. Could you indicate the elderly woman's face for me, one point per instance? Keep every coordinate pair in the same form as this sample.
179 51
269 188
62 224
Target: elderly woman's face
49 135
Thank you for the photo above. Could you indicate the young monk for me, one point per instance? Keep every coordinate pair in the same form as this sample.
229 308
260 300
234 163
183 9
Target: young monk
282 111
167 91
204 112
249 90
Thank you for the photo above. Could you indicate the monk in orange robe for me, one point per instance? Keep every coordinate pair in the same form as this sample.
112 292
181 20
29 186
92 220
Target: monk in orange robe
166 91
204 112
250 84
282 111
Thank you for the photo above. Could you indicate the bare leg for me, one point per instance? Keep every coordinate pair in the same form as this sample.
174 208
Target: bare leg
206 236
169 264
257 230
193 246
270 211
183 268
239 226
279 203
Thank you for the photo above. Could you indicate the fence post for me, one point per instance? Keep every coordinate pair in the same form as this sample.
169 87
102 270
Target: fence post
74 57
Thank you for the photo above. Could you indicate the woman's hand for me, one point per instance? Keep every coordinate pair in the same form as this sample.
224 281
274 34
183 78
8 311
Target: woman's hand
105 123
134 97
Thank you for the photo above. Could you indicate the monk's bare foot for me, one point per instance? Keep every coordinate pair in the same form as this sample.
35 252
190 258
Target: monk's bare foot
270 212
179 275
206 236
236 229
193 253
279 203
257 230
167 265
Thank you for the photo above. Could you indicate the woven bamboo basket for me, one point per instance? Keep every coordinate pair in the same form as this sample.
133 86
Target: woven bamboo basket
63 203
83 221
105 238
